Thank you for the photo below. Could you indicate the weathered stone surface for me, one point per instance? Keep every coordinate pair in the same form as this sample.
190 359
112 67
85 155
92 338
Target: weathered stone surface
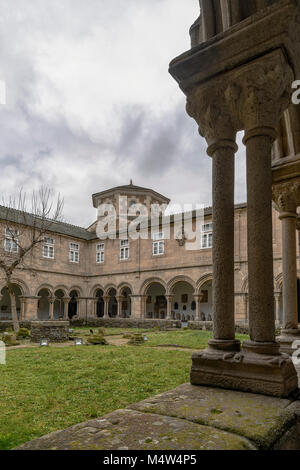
132 430
263 420
55 331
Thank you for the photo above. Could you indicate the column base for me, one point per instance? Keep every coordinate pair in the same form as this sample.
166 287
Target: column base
246 370
286 340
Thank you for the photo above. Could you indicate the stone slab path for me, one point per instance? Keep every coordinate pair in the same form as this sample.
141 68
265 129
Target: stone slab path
187 418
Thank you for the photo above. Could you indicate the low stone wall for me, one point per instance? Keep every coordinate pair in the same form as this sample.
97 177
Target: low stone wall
126 323
55 331
8 324
241 328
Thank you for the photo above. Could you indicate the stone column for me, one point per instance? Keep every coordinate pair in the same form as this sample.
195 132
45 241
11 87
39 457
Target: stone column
119 299
246 304
51 308
287 197
66 301
106 299
170 299
143 306
137 306
31 310
277 306
197 298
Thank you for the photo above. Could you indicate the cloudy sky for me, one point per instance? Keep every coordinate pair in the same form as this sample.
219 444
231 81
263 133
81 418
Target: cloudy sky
90 103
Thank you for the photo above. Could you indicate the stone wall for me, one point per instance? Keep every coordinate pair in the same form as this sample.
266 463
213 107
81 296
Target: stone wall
55 331
8 324
126 323
240 328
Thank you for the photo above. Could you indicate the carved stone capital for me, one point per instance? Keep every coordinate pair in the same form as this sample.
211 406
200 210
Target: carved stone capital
212 107
251 97
286 196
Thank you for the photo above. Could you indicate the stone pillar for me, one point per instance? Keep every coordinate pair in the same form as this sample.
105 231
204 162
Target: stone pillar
66 301
106 299
197 298
119 299
31 307
51 308
246 304
277 306
137 302
287 198
250 97
170 299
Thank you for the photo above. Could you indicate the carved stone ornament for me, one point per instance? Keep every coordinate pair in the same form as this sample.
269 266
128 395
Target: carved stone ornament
286 196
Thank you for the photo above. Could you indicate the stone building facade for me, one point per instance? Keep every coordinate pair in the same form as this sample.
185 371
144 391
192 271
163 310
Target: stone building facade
75 274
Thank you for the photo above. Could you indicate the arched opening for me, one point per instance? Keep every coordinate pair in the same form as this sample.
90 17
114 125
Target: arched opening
184 306
59 304
44 304
5 303
206 302
112 303
126 302
73 304
156 303
100 303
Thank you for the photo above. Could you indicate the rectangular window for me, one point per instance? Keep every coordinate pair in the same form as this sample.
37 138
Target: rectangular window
207 236
74 253
48 248
100 253
11 240
158 244
124 250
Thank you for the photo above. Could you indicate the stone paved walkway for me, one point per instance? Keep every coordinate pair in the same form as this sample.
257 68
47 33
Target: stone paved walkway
187 418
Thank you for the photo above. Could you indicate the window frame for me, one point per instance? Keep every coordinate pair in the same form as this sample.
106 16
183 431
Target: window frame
49 245
100 252
207 236
158 244
124 250
74 253
9 240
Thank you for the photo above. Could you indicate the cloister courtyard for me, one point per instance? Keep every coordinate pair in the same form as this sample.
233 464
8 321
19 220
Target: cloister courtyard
48 389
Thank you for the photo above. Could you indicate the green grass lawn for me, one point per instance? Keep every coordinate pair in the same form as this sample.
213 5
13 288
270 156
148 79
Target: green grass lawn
186 338
47 389
44 390
84 330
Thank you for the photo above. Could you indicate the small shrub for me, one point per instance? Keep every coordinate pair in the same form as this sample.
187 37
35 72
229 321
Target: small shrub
23 333
96 339
137 339
101 331
9 339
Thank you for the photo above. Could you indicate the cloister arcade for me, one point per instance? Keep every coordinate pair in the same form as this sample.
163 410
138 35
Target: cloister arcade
179 299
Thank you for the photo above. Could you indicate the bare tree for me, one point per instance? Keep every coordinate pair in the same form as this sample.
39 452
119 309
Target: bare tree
23 228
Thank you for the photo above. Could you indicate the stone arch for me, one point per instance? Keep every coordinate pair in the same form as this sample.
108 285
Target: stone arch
245 285
59 304
74 295
278 283
154 280
124 285
76 288
43 310
112 302
47 287
63 288
202 281
172 283
94 290
108 287
5 301
182 289
156 304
